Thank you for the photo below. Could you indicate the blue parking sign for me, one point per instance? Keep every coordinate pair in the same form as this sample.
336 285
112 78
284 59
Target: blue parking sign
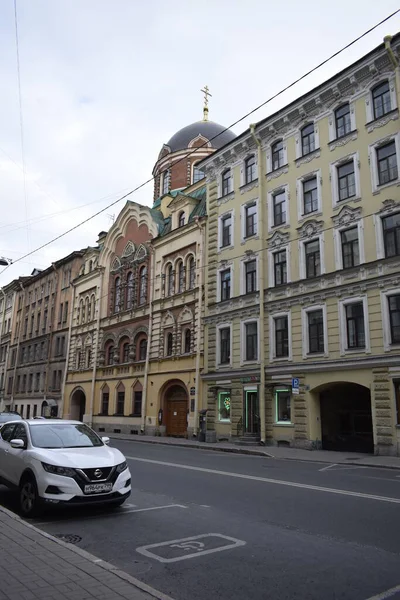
295 383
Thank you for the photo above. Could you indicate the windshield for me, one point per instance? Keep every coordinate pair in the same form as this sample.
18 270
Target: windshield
66 435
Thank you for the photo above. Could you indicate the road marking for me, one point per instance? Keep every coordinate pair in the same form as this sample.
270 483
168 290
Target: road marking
326 468
184 545
386 594
340 467
304 486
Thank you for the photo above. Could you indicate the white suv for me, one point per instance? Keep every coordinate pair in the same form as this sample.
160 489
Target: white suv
61 462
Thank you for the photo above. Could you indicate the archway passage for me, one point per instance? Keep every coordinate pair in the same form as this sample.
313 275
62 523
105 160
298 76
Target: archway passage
78 405
176 406
346 418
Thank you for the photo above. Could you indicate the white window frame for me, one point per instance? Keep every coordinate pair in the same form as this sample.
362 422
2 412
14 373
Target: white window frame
270 195
243 220
218 346
373 161
332 120
305 336
243 324
302 254
244 260
337 240
300 194
334 178
298 139
231 182
230 212
269 155
283 388
271 270
243 169
272 349
194 164
344 350
387 341
219 271
369 104
378 224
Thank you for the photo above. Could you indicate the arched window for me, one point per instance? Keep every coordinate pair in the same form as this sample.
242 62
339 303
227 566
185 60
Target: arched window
143 285
342 120
83 312
381 99
125 352
87 309
78 360
105 400
307 139
117 294
192 273
110 355
198 174
181 277
88 358
181 220
169 344
90 266
277 155
92 304
165 182
187 341
129 290
226 182
142 349
250 169
170 280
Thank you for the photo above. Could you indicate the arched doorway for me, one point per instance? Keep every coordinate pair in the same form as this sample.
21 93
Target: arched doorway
346 418
78 405
176 407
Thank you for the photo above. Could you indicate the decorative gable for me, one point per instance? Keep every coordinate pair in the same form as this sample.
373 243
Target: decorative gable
129 249
389 206
185 315
346 216
310 228
199 140
278 239
168 320
141 253
116 264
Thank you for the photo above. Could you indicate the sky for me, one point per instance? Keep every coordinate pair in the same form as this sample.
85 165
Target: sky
104 83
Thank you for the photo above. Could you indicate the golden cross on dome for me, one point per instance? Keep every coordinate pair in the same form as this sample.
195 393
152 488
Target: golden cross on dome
206 93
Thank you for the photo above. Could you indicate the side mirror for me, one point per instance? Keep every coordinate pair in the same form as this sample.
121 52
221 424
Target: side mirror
19 444
105 440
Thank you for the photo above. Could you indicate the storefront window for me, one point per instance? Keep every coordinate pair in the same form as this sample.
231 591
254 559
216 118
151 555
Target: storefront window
224 406
283 408
397 400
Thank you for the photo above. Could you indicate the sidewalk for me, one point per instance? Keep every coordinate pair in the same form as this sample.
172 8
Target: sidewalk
322 456
34 565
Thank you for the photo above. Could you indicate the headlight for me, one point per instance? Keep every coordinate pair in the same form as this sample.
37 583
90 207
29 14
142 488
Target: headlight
122 467
65 471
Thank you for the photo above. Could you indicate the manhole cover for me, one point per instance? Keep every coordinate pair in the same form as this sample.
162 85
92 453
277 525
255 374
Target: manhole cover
68 537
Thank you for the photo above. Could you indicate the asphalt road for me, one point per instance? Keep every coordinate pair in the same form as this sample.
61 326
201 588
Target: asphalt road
258 528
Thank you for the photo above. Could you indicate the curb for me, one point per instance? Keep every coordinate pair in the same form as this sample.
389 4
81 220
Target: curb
153 593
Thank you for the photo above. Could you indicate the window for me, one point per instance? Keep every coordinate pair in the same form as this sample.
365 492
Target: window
181 277
381 100
18 385
120 409
350 248
142 349
225 284
224 407
165 182
279 208
169 344
37 382
226 228
280 267
192 273
188 340
34 410
226 182
346 180
60 313
78 360
355 325
170 278
32 323
342 120
315 331
117 294
125 352
277 155
250 217
387 163
310 195
250 169
394 318
281 337
24 382
391 235
105 402
30 382
10 385
110 355
251 341
38 322
251 276
198 174
397 400
283 402
225 345
137 404
181 219
312 258
88 309
129 290
307 139
143 285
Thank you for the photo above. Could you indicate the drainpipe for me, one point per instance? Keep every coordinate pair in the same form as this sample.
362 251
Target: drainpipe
149 341
96 350
71 316
261 281
17 351
395 63
199 327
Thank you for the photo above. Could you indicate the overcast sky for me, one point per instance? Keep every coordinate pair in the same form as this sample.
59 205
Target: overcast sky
105 83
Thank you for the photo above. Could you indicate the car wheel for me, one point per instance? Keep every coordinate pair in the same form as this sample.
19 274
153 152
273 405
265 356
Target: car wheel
29 501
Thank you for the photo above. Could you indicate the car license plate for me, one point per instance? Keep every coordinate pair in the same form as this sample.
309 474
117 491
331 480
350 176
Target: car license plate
98 488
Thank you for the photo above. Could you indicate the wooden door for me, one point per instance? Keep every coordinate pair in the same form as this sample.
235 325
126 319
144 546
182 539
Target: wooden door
176 417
